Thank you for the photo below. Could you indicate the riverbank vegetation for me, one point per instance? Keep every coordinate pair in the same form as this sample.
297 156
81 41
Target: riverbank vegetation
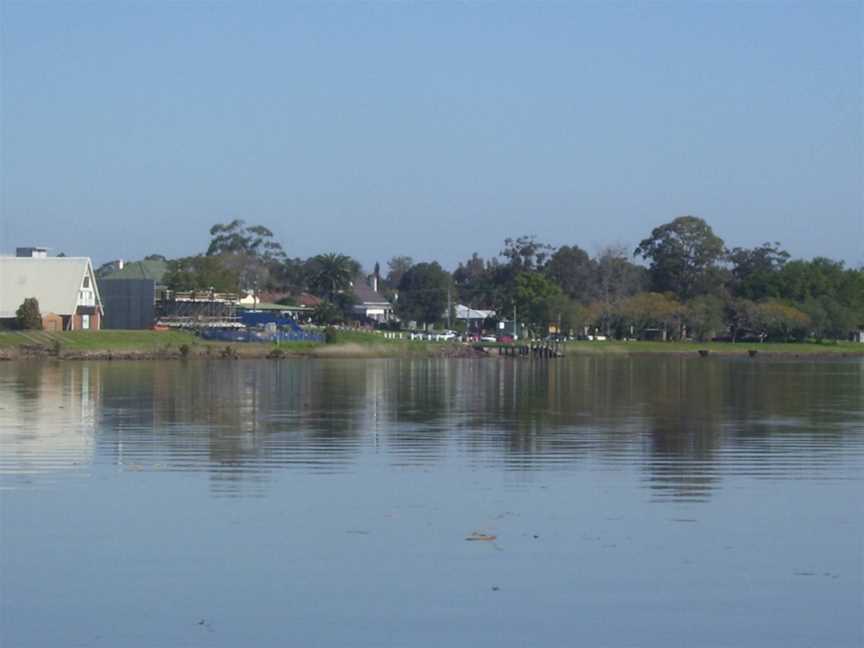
681 282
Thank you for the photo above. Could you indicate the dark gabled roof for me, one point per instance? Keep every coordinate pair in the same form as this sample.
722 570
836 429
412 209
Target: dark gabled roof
364 293
153 269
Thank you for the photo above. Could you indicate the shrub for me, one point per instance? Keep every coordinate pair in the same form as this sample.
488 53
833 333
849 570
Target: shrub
28 316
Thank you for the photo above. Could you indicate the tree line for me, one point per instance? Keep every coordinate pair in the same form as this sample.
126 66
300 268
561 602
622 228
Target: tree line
680 281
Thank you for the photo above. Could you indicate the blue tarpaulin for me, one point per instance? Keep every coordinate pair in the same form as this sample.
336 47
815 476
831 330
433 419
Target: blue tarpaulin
252 318
249 335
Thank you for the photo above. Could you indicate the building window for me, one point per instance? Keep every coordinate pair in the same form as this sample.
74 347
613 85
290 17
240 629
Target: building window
87 281
85 322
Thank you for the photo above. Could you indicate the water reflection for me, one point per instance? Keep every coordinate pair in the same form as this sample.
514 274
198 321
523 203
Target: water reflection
48 419
682 423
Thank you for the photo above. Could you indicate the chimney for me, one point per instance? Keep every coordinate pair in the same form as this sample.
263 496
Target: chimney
375 282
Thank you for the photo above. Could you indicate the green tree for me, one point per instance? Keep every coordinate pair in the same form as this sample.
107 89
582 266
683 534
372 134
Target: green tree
573 316
423 293
201 273
615 279
705 317
775 320
327 313
684 256
525 253
251 252
831 294
475 281
292 275
538 300
236 238
756 271
331 273
739 314
573 270
652 310
397 266
28 317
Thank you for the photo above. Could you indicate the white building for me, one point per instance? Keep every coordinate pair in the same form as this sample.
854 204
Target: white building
65 288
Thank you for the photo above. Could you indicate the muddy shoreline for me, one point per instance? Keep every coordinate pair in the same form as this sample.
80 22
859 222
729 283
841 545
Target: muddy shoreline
238 352
362 351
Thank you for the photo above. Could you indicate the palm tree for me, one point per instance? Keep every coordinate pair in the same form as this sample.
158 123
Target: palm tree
332 273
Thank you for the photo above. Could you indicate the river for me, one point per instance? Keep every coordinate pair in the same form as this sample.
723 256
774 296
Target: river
619 501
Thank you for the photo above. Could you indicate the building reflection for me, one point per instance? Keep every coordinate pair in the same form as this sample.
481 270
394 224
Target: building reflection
48 417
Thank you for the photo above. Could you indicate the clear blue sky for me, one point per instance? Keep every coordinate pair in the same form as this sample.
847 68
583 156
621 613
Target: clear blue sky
433 130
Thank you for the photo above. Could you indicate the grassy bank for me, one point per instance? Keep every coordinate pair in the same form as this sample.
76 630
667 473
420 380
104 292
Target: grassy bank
350 344
98 340
168 344
791 349
77 344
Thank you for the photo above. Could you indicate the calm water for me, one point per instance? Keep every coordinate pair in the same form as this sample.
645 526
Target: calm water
636 502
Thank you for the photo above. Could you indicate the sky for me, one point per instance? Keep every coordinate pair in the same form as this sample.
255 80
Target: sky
432 130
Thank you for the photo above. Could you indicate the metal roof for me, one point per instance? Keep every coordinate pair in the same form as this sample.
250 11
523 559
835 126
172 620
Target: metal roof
366 295
54 281
465 312
154 269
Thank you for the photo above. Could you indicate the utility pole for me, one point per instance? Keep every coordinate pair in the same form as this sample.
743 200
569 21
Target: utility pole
449 311
514 322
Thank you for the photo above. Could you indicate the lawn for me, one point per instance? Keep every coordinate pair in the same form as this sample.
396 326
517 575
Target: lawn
158 341
131 341
725 348
99 340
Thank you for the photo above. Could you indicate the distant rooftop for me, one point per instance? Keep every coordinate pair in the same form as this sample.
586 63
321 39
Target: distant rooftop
366 294
154 269
35 252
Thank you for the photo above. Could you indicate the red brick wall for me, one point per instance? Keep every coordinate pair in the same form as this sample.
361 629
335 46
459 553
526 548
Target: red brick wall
95 322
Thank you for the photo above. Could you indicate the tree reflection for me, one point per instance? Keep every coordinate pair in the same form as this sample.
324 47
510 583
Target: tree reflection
682 422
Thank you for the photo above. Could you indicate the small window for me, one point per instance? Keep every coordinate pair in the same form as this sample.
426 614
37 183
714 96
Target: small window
87 281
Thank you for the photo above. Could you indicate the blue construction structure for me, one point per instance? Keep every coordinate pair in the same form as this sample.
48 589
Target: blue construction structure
252 318
257 335
263 326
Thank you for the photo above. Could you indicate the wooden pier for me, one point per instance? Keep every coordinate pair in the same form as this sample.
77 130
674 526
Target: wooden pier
532 350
